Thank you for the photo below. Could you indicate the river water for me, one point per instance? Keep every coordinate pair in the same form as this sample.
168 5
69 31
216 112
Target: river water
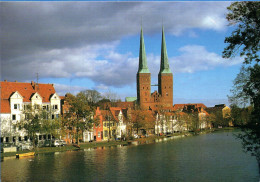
213 157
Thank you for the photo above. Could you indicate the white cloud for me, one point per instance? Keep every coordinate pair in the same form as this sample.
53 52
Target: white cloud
62 89
196 58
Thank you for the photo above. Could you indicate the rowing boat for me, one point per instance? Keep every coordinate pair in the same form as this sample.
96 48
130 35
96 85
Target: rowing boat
25 154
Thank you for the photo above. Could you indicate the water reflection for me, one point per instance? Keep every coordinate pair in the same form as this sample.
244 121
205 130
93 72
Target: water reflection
211 157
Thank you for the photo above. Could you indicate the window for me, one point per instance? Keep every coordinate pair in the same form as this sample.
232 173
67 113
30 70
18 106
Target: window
47 107
13 139
40 137
36 106
106 133
57 115
14 117
16 106
55 106
44 107
25 107
99 134
14 128
7 139
26 115
25 138
52 116
2 139
20 138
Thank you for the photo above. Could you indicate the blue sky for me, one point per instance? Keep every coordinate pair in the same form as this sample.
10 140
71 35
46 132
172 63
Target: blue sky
95 45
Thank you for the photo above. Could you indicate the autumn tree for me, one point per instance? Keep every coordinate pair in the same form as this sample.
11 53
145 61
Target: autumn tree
80 115
245 41
142 119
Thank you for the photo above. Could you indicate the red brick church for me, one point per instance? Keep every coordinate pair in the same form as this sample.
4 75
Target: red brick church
164 97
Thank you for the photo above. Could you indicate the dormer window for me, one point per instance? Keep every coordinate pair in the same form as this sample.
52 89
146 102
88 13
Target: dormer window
36 97
16 106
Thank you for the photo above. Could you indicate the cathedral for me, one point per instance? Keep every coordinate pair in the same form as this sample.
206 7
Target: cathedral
163 98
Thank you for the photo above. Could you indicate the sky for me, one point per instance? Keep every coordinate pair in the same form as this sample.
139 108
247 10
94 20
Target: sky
95 45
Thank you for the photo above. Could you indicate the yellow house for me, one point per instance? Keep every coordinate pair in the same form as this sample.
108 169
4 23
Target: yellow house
109 124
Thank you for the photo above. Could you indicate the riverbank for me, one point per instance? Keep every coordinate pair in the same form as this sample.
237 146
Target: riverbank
140 141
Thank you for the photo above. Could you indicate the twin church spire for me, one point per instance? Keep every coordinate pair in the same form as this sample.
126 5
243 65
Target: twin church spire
164 96
164 67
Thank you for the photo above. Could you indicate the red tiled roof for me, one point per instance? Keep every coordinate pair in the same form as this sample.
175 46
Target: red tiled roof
181 106
26 90
5 106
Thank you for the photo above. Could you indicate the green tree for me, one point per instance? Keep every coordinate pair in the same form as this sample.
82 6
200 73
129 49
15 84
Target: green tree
240 116
36 121
193 121
245 40
92 96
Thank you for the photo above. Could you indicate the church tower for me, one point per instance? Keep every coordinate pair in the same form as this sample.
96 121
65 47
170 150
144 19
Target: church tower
143 77
165 77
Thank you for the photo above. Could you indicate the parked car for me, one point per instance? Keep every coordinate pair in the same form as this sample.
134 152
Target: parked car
62 143
136 136
26 146
56 143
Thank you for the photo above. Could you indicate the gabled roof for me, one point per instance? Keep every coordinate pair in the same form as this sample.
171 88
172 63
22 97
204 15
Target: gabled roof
35 94
16 93
26 90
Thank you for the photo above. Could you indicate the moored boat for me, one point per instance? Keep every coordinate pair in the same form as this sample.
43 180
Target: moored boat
25 154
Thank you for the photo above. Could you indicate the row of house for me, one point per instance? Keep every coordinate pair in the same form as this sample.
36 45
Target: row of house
16 97
113 119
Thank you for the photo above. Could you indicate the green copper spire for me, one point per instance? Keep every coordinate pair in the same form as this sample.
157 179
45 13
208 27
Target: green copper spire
143 68
165 68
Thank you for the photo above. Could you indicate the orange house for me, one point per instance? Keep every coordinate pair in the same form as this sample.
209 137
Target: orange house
98 129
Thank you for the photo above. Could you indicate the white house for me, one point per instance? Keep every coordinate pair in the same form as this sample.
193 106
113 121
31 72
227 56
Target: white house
120 124
15 97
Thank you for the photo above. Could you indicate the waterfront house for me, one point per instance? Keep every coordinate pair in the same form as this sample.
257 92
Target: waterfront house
109 125
98 125
118 116
16 97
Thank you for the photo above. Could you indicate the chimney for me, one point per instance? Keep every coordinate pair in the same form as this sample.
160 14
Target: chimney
5 80
15 81
33 84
